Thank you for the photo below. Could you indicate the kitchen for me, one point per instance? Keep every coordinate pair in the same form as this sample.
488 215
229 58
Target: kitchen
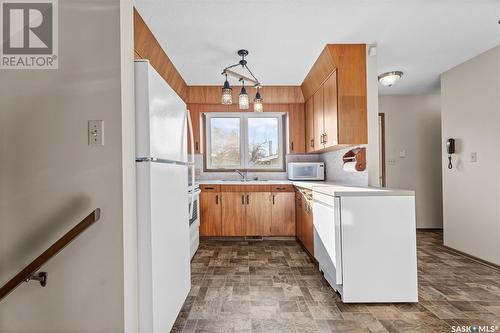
258 166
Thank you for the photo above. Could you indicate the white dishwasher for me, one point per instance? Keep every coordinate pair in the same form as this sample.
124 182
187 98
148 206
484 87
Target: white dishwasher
366 246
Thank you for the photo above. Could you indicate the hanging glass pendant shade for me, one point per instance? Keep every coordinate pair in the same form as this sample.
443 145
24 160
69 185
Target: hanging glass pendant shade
243 101
257 102
227 94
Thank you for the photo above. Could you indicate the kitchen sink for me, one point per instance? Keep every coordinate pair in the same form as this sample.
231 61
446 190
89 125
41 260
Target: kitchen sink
244 180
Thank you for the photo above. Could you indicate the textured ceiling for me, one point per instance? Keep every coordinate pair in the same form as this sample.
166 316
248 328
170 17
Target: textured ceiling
423 38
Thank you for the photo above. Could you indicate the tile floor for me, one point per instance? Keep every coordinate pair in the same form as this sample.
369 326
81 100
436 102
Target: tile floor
273 286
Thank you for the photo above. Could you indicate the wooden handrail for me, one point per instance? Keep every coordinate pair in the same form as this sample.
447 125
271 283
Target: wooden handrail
55 248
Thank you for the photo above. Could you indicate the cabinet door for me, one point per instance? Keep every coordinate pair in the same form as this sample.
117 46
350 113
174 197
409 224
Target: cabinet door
309 109
233 213
296 129
210 211
283 214
298 215
195 119
319 129
307 228
330 111
258 219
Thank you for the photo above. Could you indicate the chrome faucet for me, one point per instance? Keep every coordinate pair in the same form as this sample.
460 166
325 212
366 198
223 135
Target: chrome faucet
242 174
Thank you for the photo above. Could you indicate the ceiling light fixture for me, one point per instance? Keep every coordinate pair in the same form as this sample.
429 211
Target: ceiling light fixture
243 100
389 78
226 97
227 93
257 102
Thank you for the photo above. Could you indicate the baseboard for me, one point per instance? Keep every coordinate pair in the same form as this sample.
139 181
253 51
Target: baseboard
479 260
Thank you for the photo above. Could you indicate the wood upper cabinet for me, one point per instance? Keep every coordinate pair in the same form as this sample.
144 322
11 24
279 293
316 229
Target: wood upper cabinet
296 129
195 119
211 214
283 214
233 214
258 219
330 111
337 86
318 119
309 115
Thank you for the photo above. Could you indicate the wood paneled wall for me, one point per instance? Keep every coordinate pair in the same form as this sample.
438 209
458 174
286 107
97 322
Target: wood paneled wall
270 94
147 47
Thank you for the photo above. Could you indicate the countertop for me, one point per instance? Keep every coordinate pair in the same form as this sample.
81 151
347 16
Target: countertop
324 187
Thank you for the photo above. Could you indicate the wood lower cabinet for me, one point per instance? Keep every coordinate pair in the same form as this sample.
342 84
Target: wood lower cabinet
307 228
210 214
304 223
258 219
298 215
263 210
234 214
283 214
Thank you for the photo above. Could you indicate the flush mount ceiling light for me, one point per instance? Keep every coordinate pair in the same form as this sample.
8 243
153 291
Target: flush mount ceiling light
389 78
226 97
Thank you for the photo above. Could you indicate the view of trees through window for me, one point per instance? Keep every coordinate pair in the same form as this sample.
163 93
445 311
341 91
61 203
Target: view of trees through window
263 141
225 142
258 136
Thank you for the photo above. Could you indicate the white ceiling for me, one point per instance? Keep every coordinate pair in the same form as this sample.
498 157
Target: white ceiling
423 38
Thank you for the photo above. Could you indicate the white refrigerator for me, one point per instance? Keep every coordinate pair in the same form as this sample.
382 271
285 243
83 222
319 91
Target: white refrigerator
164 276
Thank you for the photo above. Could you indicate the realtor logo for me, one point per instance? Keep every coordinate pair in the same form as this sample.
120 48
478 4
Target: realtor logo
29 34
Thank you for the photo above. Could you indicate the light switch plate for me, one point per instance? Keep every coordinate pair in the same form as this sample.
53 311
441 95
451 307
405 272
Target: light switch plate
473 157
96 133
402 153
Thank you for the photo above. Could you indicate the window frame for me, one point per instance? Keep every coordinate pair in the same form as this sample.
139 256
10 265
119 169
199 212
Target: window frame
244 165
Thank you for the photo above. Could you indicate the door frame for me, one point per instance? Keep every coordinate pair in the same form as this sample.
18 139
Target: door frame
383 175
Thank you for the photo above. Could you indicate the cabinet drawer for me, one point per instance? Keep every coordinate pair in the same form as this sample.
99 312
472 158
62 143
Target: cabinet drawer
282 188
210 188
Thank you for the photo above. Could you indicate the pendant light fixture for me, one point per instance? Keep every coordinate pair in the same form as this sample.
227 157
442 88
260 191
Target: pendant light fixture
243 100
226 97
227 93
257 102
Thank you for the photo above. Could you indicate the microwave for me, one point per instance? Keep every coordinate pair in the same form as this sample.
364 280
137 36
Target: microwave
306 171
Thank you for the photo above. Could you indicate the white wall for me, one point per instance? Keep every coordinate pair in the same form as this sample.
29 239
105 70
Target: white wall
372 150
413 123
50 178
470 100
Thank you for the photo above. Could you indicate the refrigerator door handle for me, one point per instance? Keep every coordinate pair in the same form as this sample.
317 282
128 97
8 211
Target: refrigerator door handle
191 163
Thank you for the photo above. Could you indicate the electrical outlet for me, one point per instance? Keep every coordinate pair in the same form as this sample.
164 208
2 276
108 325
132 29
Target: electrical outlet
402 153
96 133
473 157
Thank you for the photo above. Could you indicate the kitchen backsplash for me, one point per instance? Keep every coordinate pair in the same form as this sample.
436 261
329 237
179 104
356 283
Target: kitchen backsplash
333 166
335 172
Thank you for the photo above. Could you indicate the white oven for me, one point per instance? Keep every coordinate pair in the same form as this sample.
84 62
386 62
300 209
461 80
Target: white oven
306 171
194 221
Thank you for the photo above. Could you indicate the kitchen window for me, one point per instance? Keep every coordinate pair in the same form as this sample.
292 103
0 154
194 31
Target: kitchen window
244 140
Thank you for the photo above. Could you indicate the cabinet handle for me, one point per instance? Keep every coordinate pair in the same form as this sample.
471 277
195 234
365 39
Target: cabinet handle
325 139
242 199
291 146
208 188
248 199
273 199
197 147
217 199
312 143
